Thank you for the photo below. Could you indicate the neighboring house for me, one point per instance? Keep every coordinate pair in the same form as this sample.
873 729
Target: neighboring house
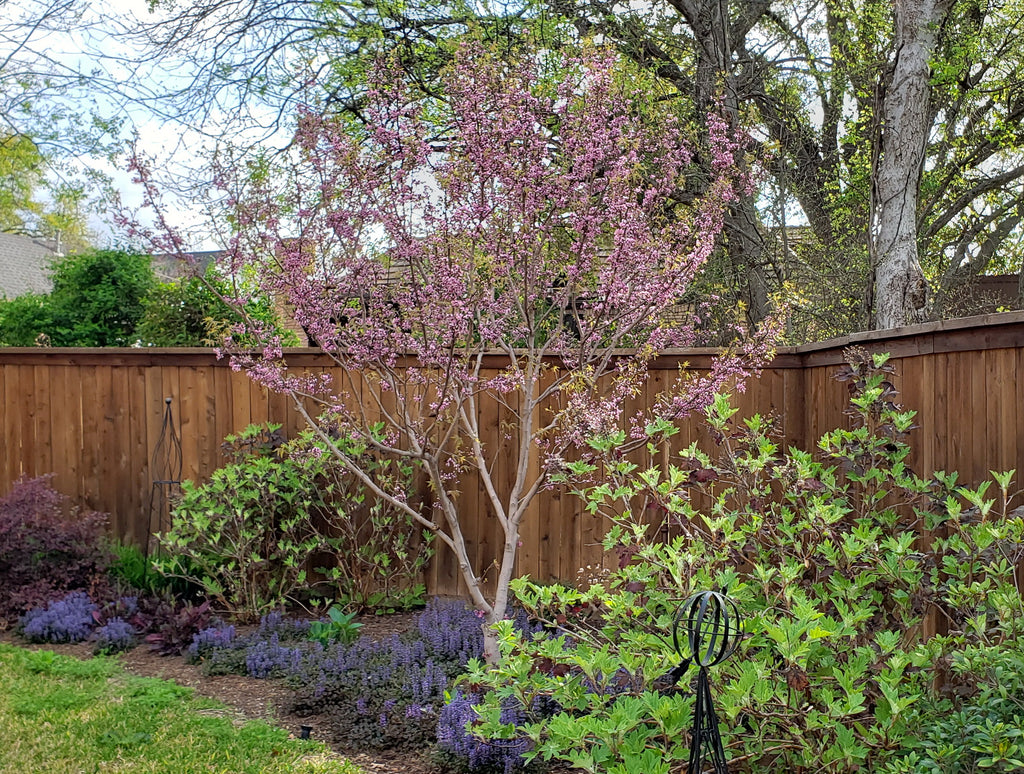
25 265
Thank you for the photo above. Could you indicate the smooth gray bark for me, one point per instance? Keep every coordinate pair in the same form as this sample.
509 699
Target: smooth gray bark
901 293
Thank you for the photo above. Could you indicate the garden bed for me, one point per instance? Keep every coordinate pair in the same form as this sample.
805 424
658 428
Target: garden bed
253 699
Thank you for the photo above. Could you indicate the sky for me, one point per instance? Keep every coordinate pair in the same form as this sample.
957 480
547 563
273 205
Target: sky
97 47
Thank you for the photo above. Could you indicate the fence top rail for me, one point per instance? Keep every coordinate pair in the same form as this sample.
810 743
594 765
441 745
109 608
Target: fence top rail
991 331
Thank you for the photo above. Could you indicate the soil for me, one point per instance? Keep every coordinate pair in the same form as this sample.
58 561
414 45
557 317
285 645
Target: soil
255 699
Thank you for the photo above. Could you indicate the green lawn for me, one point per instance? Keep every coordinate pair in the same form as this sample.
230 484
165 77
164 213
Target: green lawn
59 715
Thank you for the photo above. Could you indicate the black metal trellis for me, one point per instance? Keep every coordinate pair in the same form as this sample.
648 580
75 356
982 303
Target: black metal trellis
165 469
713 632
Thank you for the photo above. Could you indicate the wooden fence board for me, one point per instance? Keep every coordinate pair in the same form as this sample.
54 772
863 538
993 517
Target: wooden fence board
93 418
31 435
7 452
977 413
120 498
13 453
65 418
89 474
935 424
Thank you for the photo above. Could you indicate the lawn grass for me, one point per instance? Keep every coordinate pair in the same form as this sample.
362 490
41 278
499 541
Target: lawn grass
59 715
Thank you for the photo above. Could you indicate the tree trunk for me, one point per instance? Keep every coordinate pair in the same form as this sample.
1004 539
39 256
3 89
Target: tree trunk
900 289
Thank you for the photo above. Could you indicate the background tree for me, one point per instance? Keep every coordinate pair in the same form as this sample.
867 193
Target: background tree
51 122
96 301
812 82
20 176
98 298
860 106
194 311
542 229
25 320
112 298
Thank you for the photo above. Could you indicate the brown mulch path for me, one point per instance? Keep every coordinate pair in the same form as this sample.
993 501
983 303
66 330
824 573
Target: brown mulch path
254 699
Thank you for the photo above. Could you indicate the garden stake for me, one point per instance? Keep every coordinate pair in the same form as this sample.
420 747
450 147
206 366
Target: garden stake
712 634
165 468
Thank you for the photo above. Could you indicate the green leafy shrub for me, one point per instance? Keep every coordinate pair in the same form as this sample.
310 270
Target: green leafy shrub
247 534
250 534
24 319
97 298
378 554
976 723
194 312
824 559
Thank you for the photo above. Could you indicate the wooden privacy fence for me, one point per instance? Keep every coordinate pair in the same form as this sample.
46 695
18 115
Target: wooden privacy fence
92 417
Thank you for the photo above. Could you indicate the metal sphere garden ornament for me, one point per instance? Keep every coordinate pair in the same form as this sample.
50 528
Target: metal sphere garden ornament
712 626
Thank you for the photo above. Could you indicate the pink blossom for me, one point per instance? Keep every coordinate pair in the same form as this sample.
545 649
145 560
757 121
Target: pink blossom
528 221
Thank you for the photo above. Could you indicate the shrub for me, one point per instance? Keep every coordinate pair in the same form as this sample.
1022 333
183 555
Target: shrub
822 557
247 533
377 553
976 722
97 298
174 627
47 547
71 619
247 536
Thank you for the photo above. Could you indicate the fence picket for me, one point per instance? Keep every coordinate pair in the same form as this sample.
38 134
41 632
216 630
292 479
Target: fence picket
93 416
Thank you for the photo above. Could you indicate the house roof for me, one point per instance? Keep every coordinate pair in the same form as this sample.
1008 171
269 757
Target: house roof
169 267
24 265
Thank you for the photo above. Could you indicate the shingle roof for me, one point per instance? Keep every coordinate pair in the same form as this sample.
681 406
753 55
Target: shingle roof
24 263
169 267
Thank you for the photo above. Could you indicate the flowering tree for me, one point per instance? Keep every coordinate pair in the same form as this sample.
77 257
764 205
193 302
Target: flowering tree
538 214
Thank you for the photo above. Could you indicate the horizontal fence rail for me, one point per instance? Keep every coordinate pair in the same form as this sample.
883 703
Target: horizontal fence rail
93 416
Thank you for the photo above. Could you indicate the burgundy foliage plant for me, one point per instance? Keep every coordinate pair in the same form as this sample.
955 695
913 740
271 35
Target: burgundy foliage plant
47 547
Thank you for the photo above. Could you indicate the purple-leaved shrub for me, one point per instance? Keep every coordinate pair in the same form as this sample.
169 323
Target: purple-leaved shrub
70 619
47 548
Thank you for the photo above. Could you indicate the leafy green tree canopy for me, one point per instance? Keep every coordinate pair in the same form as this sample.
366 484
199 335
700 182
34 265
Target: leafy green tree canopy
98 298
20 175
193 312
112 298
24 319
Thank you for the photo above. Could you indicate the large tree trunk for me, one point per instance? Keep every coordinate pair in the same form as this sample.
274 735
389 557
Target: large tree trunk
715 89
900 289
